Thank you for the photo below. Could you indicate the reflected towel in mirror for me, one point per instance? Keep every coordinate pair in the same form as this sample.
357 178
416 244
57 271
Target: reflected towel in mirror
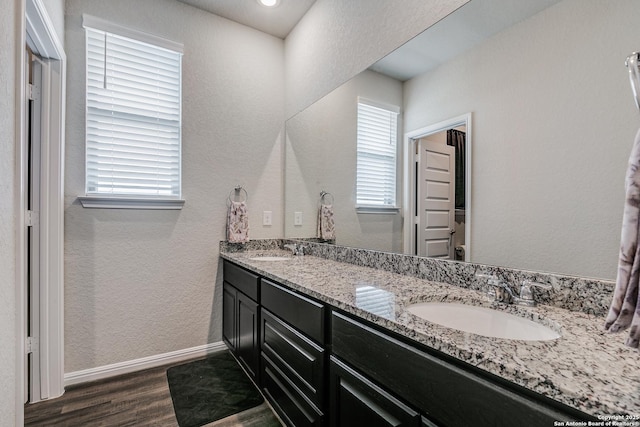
625 309
238 223
326 226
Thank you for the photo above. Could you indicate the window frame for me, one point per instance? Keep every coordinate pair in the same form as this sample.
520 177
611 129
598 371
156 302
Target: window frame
380 209
133 201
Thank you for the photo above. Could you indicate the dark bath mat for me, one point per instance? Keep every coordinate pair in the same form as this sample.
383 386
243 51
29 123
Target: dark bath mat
210 389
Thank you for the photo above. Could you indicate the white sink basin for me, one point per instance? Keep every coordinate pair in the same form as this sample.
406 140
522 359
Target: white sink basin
270 258
482 321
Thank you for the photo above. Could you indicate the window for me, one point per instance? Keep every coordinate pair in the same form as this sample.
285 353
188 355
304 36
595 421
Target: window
376 153
133 118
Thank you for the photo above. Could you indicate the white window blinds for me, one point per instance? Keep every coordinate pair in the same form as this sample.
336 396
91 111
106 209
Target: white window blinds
376 154
133 118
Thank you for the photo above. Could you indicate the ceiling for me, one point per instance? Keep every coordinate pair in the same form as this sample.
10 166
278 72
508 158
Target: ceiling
462 30
277 21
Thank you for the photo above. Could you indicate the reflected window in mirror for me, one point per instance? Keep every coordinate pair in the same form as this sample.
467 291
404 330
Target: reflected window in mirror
377 145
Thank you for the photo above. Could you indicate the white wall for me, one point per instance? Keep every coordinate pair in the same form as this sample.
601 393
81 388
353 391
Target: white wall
337 39
553 125
321 155
8 44
141 283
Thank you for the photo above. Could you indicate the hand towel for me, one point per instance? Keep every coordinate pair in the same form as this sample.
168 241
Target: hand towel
238 223
326 227
625 307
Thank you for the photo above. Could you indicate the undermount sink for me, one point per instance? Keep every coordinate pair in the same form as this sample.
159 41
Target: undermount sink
270 258
482 321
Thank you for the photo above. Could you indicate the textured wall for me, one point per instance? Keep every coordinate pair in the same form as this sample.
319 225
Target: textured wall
321 155
553 125
337 39
140 283
8 44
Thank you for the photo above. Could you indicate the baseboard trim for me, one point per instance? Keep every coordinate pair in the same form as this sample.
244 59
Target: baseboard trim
107 371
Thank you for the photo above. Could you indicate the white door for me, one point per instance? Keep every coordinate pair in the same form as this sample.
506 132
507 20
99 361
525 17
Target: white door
436 199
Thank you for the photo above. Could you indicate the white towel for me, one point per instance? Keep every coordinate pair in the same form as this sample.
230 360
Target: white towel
625 307
326 226
238 223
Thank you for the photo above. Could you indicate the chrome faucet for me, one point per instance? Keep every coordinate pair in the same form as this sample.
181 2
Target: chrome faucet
501 291
526 292
295 249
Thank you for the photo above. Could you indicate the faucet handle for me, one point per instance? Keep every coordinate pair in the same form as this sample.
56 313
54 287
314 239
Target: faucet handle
526 290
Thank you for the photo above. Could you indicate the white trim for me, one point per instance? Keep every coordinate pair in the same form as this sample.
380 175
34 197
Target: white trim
110 27
37 29
378 104
21 391
409 179
129 203
41 35
387 210
108 371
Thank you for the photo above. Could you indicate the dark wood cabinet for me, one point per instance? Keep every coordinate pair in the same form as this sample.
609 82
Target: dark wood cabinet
240 317
447 394
291 405
248 344
229 316
298 357
319 366
293 354
357 401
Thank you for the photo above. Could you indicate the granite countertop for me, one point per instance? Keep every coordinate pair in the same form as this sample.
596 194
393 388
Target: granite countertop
586 368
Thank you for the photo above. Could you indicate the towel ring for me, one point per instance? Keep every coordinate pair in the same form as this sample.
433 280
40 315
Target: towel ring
324 194
238 192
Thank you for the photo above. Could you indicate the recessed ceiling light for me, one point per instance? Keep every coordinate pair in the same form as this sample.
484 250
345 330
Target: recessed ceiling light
269 3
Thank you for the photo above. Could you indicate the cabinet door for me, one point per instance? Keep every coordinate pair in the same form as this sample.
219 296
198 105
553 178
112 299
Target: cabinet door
356 401
247 347
229 334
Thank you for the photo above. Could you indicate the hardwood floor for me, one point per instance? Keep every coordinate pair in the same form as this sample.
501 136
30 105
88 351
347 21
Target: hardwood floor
136 399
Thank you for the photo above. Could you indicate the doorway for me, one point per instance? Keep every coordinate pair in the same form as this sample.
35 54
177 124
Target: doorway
438 190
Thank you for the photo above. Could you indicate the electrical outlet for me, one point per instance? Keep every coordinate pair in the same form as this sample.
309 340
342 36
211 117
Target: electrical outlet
297 218
267 218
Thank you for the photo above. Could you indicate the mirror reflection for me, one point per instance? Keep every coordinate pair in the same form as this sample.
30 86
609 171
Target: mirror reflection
539 89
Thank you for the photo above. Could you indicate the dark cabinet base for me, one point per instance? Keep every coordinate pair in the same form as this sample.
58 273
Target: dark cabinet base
356 401
240 317
290 404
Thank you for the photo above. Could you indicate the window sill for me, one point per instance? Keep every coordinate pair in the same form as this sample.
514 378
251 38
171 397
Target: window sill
101 202
377 210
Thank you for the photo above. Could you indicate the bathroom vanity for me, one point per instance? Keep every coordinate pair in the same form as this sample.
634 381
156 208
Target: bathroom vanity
332 343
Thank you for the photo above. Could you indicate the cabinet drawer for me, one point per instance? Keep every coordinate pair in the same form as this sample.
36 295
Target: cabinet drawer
245 281
357 401
447 394
294 409
303 313
299 358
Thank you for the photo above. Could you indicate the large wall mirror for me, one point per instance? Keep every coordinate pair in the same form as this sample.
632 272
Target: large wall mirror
540 91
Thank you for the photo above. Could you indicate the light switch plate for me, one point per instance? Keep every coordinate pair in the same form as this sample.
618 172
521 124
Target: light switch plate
267 218
297 218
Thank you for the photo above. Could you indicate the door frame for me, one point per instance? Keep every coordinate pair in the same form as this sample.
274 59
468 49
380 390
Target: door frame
37 30
409 179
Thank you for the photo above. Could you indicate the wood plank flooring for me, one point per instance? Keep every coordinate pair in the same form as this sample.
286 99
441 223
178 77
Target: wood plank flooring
137 399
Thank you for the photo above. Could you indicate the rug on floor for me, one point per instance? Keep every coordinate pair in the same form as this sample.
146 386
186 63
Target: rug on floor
210 389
